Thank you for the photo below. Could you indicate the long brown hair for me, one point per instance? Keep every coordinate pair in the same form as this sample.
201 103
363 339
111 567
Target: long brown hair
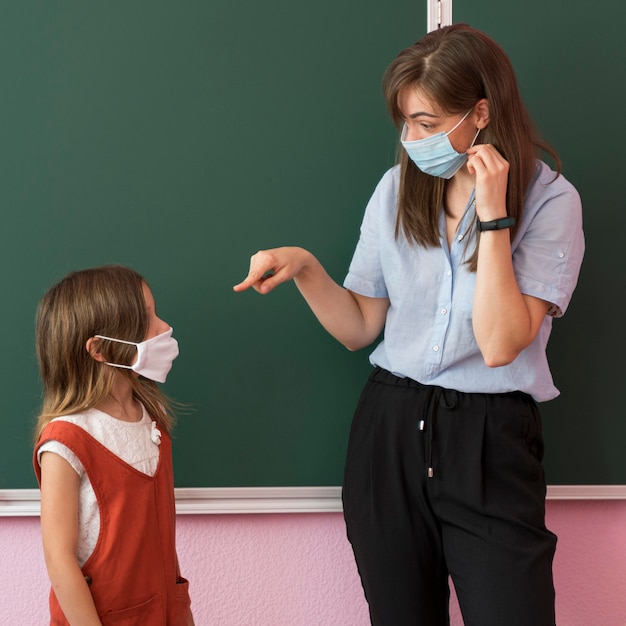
108 301
455 67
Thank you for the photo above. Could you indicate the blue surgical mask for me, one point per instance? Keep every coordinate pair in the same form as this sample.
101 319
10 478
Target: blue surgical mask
435 155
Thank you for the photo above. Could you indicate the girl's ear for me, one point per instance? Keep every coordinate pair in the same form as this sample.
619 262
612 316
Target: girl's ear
92 346
481 113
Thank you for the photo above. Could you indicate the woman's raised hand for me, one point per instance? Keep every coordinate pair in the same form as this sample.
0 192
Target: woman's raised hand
270 268
492 173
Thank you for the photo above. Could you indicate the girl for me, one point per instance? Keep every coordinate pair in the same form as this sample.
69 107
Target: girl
469 248
103 454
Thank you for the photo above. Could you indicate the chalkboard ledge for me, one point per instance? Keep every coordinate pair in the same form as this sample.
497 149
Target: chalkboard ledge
227 500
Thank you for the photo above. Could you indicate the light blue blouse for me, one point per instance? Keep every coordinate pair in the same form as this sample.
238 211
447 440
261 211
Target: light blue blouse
428 332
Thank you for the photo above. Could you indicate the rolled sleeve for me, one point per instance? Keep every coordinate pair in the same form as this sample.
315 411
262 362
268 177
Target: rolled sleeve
550 251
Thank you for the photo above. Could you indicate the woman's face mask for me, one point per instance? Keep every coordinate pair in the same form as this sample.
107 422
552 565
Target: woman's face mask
435 155
154 356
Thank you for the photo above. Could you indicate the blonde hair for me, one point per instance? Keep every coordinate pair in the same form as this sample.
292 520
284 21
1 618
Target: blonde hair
456 66
108 301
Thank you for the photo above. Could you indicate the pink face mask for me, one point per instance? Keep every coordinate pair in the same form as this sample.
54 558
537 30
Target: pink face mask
154 356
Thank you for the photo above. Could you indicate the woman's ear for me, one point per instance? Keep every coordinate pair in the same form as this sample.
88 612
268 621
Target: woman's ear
481 113
92 346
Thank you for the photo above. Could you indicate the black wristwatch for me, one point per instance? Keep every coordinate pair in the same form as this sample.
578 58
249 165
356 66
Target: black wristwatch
499 224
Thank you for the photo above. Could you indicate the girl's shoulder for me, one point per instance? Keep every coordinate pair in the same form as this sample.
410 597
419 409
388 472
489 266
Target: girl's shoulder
136 443
111 432
91 421
79 419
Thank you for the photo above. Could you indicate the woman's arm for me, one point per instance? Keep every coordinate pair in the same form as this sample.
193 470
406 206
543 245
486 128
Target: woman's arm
354 320
505 321
59 529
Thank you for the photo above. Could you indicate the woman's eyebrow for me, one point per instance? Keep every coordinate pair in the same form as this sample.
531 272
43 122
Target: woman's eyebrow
419 113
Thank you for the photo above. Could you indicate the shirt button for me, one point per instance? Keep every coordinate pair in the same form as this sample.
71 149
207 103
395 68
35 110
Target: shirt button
444 311
435 348
449 272
561 255
460 238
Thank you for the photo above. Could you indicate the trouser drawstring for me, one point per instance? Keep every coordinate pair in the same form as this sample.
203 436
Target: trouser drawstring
436 396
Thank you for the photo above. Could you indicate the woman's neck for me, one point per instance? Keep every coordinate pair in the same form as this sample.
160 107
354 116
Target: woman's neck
457 193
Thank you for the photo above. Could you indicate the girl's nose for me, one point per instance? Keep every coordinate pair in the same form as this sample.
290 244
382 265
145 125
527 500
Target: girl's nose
163 326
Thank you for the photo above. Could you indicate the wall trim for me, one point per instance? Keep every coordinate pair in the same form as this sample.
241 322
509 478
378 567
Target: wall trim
237 500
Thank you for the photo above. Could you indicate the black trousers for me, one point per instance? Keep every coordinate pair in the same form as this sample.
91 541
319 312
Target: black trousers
480 517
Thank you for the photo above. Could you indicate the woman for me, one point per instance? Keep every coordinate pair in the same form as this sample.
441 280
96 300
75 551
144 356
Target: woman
469 248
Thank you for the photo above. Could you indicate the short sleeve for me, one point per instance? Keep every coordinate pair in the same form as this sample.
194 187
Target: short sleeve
63 451
365 274
548 257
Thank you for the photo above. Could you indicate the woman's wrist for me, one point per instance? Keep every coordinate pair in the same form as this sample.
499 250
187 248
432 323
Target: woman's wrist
500 223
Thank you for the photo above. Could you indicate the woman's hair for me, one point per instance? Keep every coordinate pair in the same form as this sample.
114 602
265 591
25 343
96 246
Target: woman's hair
455 67
105 301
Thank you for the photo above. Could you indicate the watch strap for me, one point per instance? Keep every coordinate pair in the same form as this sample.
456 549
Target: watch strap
499 224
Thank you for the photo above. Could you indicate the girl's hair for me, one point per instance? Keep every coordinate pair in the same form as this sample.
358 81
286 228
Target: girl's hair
105 301
455 67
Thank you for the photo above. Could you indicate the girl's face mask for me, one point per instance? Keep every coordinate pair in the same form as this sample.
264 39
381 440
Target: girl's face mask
154 356
435 155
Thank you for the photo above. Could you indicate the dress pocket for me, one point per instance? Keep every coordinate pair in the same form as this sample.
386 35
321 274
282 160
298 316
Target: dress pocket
183 603
148 612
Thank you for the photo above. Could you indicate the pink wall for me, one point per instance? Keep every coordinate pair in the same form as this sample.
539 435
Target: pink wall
297 569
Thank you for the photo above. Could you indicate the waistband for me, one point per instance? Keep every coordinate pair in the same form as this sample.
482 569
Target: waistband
381 375
435 396
384 376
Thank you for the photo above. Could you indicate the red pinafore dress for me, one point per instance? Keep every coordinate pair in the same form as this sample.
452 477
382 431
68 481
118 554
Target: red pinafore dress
133 571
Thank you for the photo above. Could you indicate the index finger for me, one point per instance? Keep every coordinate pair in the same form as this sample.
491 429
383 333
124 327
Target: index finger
261 265
250 280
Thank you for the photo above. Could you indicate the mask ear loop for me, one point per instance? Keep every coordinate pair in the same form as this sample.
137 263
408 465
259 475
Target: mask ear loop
459 123
129 343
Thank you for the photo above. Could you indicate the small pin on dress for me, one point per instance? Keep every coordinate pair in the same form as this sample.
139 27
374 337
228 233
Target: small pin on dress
155 434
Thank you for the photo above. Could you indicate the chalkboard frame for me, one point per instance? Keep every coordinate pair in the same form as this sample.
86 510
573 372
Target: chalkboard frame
269 500
206 497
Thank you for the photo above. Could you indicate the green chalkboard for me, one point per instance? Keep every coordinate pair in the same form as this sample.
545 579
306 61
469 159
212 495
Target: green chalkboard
570 59
180 137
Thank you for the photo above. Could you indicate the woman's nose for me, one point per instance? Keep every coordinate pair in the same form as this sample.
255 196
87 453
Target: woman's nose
409 134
